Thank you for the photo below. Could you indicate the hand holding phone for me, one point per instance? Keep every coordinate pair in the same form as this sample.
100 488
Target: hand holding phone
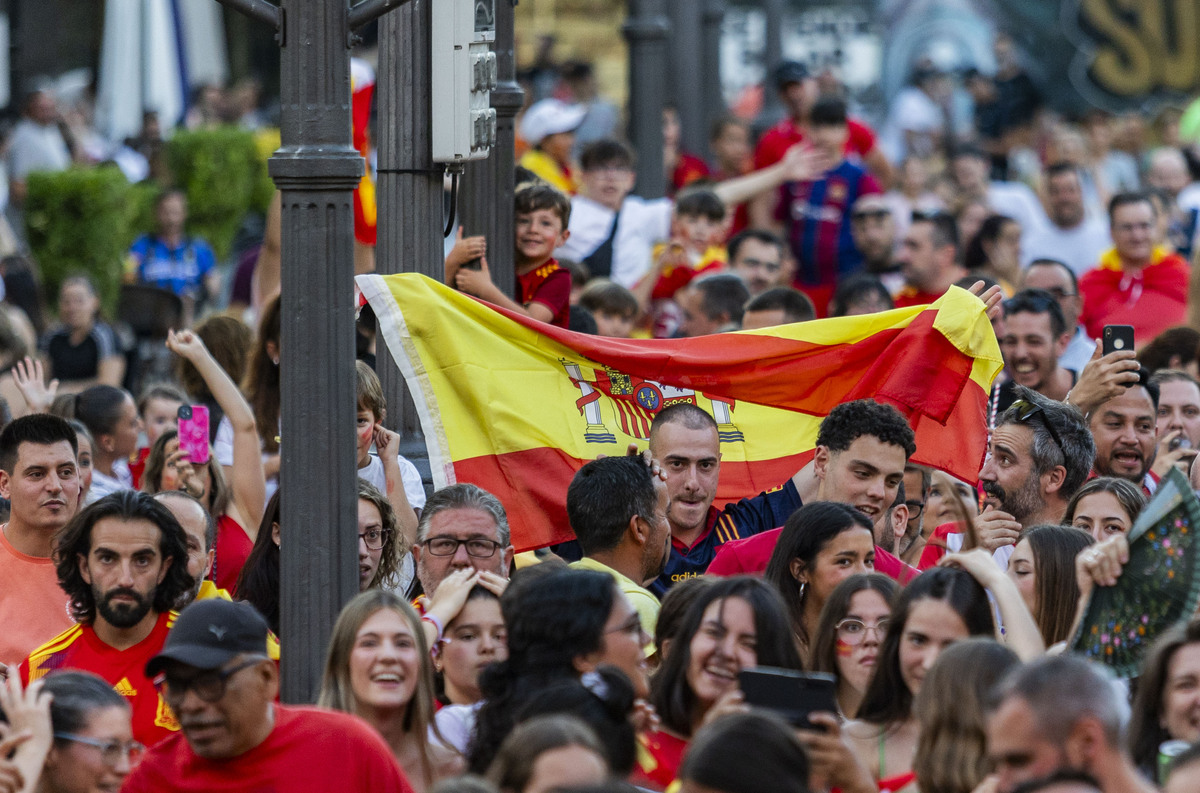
792 695
193 433
1117 338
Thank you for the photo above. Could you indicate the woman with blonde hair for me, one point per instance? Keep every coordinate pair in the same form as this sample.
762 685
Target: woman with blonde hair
951 752
379 668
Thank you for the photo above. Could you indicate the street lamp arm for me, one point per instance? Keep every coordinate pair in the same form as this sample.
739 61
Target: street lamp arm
370 10
261 10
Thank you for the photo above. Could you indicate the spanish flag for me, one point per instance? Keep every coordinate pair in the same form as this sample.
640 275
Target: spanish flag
517 406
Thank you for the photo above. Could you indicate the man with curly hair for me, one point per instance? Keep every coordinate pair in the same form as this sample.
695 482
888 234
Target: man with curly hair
123 563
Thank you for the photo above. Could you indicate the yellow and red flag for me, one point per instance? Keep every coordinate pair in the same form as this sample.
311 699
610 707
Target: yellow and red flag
517 406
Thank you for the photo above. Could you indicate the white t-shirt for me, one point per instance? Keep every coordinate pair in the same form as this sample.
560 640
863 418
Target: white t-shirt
1079 248
414 489
103 485
1017 201
912 111
223 451
456 723
642 224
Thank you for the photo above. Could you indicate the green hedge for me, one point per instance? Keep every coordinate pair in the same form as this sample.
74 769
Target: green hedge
85 220
81 221
223 176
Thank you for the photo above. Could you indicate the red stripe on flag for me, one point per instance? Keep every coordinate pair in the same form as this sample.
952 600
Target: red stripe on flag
897 364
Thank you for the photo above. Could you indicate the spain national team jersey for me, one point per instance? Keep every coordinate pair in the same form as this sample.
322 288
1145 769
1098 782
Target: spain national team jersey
549 285
744 518
80 648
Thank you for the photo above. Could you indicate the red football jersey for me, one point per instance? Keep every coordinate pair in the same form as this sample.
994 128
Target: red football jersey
80 648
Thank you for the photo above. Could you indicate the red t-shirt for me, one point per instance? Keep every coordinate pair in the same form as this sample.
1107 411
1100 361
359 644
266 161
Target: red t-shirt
309 749
80 648
778 139
1151 301
549 285
690 168
233 549
751 555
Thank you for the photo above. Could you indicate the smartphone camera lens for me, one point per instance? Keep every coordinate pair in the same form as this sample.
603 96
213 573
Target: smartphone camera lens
185 412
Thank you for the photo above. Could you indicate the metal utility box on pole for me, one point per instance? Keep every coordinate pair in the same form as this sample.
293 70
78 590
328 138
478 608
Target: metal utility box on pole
646 30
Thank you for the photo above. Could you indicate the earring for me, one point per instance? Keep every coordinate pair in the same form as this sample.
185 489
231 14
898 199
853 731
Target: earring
803 584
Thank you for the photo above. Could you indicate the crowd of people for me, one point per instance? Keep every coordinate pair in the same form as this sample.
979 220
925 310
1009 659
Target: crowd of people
140 568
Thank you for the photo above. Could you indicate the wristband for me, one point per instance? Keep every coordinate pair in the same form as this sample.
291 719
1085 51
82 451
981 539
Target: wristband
437 625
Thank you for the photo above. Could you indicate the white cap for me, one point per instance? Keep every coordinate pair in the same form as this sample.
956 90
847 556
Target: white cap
550 117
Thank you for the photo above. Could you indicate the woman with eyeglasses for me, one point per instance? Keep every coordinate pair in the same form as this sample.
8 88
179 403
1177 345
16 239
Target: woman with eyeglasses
379 551
81 734
852 625
940 607
379 668
821 545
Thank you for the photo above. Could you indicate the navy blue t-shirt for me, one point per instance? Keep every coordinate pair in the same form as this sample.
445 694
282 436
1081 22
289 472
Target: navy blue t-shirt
739 519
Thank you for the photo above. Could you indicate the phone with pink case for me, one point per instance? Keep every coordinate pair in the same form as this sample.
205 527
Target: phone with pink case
193 433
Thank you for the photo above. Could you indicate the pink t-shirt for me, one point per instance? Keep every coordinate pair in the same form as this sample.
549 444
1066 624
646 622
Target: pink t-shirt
33 607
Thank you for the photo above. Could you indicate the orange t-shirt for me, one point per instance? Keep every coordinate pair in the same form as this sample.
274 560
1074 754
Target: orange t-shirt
33 607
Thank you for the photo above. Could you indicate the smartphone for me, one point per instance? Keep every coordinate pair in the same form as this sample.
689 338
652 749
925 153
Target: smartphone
1117 338
193 433
1179 442
790 694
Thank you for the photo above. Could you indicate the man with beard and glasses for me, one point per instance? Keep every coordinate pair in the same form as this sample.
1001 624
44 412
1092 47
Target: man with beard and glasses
123 563
1039 454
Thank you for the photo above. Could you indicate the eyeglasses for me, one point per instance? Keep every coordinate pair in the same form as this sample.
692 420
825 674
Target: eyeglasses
632 626
915 508
111 752
208 685
448 546
863 214
1024 410
854 631
375 538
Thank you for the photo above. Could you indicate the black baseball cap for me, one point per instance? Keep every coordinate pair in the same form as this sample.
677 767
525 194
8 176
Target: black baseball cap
210 633
790 72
